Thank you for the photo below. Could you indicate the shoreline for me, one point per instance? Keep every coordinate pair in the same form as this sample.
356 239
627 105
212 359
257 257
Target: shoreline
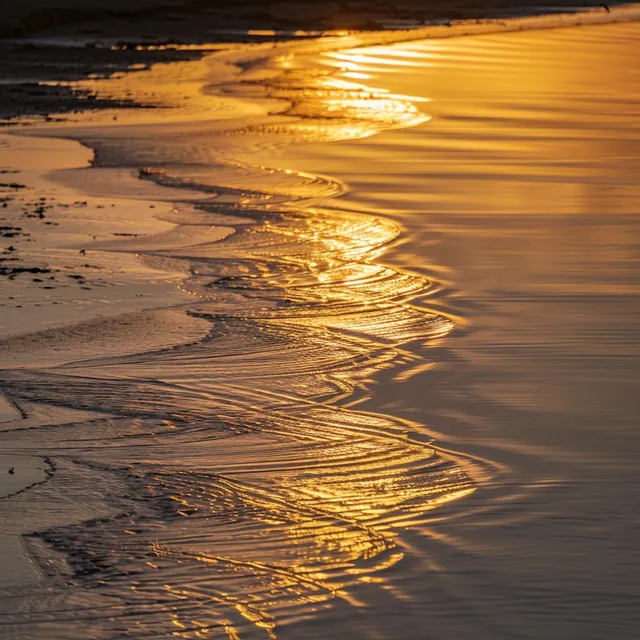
48 90
89 340
115 372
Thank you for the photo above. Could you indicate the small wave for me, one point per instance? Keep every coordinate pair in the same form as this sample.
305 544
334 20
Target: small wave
231 487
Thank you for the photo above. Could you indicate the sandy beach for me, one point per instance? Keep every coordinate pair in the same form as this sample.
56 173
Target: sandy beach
324 335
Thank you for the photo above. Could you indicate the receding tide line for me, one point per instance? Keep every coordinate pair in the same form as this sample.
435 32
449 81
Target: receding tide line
217 486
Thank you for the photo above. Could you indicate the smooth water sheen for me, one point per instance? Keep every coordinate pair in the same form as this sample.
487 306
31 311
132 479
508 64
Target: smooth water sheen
521 197
413 414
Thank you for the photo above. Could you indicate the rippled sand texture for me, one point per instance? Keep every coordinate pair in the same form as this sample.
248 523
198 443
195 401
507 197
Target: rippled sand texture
228 487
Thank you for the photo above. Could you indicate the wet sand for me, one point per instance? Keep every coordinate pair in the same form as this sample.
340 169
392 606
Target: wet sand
55 269
394 394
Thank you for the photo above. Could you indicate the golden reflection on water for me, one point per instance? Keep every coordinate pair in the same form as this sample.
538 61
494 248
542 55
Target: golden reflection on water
298 500
307 513
263 495
312 515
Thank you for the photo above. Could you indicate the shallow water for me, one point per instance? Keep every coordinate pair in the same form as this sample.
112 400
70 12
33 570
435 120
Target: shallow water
520 196
464 269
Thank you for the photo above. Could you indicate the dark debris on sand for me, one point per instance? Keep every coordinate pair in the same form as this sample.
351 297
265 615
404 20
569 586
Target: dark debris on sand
14 263
29 74
28 16
26 99
73 39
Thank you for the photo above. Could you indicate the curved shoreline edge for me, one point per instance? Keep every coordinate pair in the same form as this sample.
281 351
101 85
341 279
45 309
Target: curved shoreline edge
262 568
